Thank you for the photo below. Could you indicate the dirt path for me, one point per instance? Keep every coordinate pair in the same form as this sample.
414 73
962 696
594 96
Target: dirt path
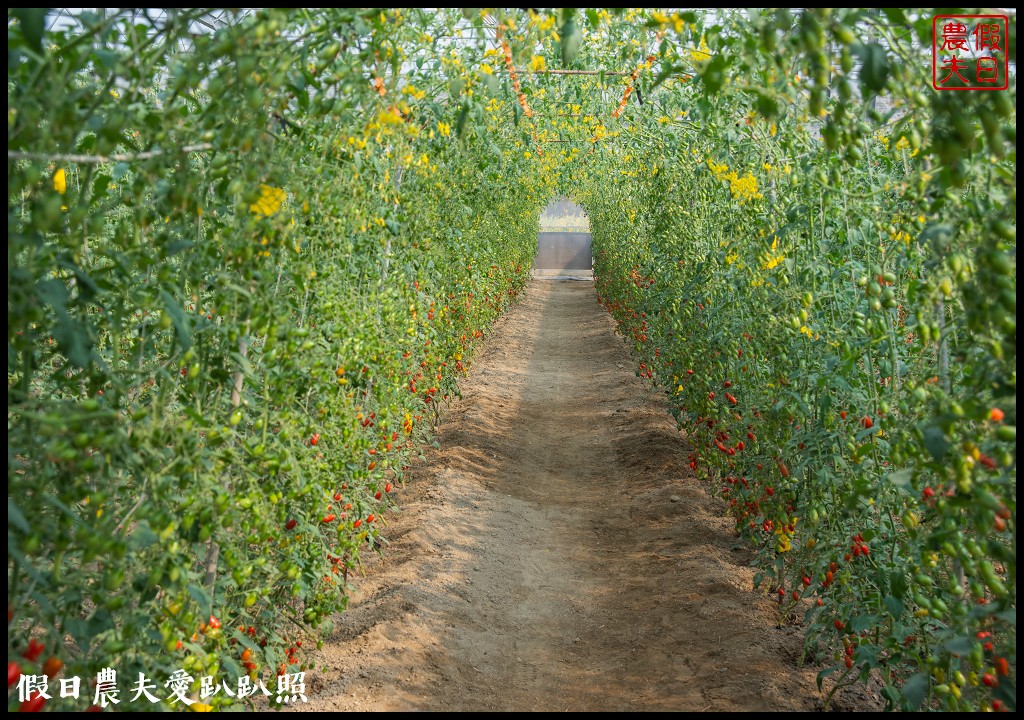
556 552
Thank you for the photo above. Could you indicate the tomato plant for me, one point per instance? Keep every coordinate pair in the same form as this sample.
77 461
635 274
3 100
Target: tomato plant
248 264
803 220
242 277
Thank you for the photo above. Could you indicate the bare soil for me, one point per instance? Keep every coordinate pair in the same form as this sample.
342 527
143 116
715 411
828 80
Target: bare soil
557 553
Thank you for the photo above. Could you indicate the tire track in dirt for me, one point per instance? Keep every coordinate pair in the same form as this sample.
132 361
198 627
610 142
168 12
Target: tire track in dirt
556 552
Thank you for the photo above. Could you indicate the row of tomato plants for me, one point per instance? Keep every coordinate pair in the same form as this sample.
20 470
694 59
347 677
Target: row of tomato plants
835 334
242 279
888 514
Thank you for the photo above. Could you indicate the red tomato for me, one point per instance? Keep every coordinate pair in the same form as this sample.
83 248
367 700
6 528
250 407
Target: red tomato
52 666
33 651
34 703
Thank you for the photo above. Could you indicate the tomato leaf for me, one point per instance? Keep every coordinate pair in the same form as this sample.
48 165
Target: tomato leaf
202 598
896 16
33 24
915 689
570 41
866 432
894 606
72 339
460 120
863 622
825 673
1008 616
898 586
874 72
15 517
142 535
936 443
713 74
101 621
901 478
959 646
78 629
180 321
52 292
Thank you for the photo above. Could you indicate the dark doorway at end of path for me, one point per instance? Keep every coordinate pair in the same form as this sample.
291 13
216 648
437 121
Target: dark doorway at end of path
564 251
563 244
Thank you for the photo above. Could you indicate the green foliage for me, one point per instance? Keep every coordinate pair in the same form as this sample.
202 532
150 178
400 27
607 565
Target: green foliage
826 293
241 280
246 264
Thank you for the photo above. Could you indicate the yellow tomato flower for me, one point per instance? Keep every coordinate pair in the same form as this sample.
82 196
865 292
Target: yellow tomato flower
270 200
60 182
